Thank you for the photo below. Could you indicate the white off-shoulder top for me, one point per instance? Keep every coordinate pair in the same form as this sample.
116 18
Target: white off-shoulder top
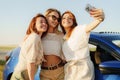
76 47
52 44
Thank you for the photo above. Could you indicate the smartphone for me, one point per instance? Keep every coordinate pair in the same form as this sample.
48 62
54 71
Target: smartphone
89 7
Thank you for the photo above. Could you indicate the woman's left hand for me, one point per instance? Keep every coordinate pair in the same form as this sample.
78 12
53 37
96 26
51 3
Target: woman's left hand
97 14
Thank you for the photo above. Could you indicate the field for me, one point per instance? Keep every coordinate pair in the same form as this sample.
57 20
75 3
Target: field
1 68
7 48
3 51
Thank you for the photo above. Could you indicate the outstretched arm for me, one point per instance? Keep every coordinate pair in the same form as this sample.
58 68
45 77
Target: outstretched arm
98 16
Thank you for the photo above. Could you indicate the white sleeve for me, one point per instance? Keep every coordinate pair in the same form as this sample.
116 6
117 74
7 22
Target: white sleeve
33 50
78 38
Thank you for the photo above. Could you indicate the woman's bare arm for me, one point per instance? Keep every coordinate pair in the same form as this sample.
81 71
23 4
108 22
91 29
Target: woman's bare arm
98 16
31 67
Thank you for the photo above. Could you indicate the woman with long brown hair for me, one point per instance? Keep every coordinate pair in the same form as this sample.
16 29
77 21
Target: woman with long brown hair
75 47
31 53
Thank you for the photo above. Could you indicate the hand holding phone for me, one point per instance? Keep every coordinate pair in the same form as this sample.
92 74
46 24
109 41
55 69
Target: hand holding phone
89 7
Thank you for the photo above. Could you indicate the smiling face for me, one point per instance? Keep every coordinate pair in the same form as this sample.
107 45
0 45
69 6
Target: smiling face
53 19
67 20
41 24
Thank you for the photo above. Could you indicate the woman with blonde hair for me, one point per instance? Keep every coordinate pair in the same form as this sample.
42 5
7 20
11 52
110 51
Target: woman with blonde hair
53 68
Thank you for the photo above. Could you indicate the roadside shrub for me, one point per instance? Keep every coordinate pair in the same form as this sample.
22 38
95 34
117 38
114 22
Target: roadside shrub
2 62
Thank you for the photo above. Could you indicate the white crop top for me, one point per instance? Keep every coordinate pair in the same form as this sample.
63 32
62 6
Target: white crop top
52 44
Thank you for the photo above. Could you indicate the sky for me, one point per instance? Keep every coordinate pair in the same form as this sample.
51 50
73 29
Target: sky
15 15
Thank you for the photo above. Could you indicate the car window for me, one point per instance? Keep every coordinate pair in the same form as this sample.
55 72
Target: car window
99 54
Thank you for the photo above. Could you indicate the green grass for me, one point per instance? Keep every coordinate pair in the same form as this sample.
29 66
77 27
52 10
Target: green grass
2 62
1 70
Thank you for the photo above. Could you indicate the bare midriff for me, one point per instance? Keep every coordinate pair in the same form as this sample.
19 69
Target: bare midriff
51 60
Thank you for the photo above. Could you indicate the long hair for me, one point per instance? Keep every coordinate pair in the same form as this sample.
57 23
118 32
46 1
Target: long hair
48 11
32 27
74 23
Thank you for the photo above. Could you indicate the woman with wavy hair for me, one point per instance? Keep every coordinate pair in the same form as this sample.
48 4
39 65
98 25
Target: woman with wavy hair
53 68
31 53
75 48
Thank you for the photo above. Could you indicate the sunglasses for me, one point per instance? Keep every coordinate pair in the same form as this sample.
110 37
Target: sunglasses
54 18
